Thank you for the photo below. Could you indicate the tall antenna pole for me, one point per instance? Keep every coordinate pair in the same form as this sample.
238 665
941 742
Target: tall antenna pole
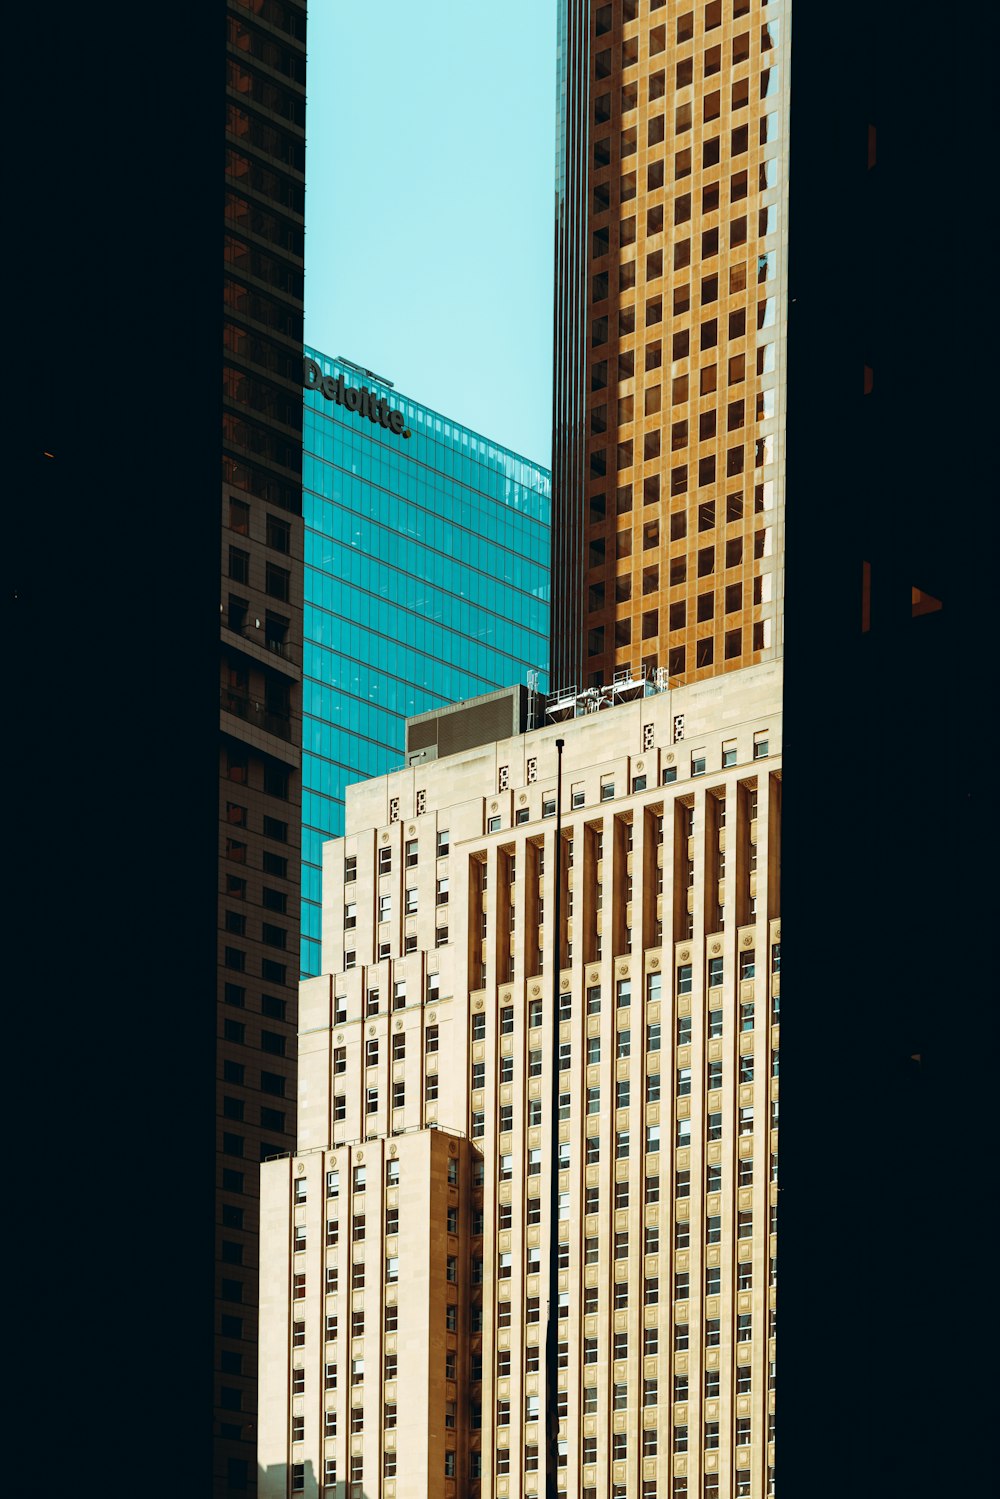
554 949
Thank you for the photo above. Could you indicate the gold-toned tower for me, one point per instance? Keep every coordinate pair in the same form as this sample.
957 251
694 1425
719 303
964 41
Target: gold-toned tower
668 461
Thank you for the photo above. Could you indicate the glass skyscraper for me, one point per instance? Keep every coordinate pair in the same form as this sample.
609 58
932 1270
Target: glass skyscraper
426 582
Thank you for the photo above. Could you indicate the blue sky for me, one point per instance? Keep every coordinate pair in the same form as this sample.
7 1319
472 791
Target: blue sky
429 205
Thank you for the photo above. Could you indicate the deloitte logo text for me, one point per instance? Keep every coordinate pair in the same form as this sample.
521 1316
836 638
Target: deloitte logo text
363 401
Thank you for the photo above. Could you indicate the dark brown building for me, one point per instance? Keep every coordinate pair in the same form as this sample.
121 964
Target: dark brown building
260 675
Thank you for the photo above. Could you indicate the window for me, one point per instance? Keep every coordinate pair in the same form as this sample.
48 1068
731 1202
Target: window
279 534
239 565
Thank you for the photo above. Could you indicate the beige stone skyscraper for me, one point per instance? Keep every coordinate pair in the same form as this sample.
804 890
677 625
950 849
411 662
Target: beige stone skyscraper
406 1245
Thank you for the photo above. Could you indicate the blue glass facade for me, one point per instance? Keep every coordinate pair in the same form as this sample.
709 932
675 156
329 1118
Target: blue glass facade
426 582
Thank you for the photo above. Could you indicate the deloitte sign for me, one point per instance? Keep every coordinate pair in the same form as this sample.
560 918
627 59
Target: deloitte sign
363 401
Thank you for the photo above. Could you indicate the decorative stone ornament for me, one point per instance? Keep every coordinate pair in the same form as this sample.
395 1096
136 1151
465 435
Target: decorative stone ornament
340 1036
478 1006
535 989
654 962
385 837
522 798
669 759
371 1030
748 940
393 1149
411 828
638 765
360 1156
399 1025
301 1166
716 946
684 955
493 806
593 978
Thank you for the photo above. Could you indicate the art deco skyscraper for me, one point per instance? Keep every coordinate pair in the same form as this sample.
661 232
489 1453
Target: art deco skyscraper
536 1168
668 464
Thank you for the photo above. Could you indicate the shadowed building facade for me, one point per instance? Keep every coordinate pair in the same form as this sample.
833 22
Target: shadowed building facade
158 573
